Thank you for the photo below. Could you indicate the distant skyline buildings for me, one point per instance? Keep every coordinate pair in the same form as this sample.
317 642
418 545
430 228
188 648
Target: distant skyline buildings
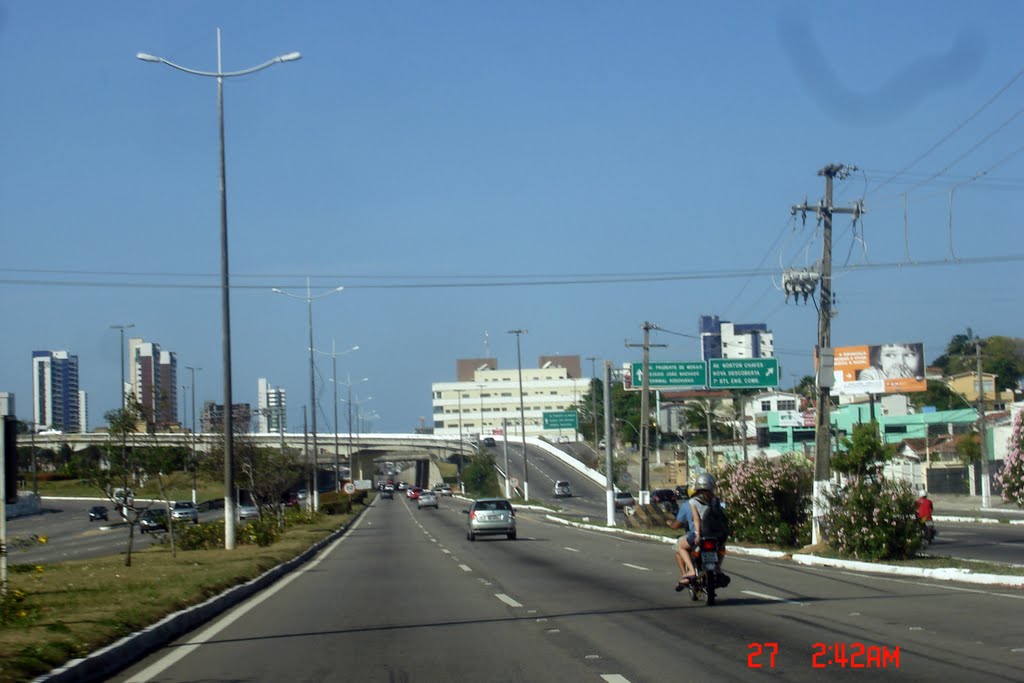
724 339
57 401
154 381
272 406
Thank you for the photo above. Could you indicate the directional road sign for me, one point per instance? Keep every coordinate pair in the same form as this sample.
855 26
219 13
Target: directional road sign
743 373
681 374
566 419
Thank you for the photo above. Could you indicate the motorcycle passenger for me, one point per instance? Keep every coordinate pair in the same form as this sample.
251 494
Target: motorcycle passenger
690 514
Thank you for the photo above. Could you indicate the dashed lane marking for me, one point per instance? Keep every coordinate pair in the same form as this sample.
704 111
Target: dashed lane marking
507 600
775 598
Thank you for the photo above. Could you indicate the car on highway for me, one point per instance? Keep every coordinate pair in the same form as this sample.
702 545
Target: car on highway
98 512
184 510
443 490
387 494
427 499
489 442
624 499
562 490
248 511
153 519
490 516
665 499
414 492
564 439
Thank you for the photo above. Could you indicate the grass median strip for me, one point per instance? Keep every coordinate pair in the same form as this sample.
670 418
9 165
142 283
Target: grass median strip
54 613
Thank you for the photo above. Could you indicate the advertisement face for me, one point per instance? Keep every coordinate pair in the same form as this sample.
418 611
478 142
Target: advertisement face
882 369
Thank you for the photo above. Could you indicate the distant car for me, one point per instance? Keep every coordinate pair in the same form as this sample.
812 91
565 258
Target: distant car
402 486
248 511
98 512
624 499
665 499
302 494
387 493
427 499
185 510
563 439
562 489
443 490
152 520
489 442
414 492
490 516
602 444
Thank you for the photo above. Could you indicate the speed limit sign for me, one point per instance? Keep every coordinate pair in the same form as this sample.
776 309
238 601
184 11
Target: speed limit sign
349 488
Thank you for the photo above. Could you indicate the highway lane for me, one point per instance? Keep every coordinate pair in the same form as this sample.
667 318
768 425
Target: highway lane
1002 543
406 597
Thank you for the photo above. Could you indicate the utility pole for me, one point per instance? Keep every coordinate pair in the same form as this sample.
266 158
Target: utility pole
822 421
593 397
982 432
609 470
645 417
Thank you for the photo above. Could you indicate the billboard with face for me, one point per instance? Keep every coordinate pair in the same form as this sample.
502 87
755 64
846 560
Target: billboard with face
882 369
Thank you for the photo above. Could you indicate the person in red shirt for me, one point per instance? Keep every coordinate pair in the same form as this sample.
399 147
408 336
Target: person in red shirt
924 507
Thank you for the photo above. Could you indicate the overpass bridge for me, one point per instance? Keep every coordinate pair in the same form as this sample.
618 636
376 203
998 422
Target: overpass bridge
358 451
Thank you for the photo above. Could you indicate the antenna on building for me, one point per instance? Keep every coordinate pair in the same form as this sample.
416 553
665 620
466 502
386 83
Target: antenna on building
487 344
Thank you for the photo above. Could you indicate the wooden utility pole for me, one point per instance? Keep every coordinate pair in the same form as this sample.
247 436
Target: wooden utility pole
645 417
982 431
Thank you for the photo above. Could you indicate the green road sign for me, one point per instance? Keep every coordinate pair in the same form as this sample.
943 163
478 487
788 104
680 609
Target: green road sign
683 374
565 419
743 373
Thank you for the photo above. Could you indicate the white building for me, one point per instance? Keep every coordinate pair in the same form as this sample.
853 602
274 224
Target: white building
273 407
723 339
485 398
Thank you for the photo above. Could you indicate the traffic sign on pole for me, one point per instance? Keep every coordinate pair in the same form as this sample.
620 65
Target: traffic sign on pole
565 419
743 373
679 374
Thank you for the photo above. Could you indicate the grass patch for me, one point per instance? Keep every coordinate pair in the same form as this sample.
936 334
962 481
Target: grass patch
180 488
59 612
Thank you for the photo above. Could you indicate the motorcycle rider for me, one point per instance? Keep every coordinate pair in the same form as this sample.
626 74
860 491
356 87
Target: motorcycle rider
924 507
690 514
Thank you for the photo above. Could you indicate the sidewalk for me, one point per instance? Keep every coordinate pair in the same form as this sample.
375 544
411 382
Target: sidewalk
950 505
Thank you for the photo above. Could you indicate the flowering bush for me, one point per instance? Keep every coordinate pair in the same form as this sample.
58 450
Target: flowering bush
1011 476
873 519
768 500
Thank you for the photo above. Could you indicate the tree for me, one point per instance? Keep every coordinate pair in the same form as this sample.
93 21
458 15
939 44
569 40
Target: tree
940 396
625 406
1001 356
266 473
864 453
1011 477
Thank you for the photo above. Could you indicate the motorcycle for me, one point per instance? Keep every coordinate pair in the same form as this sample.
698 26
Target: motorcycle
707 563
928 532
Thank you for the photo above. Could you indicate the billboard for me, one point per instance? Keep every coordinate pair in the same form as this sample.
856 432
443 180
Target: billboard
881 369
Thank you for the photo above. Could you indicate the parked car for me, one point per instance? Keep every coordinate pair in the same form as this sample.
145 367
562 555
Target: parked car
248 511
184 510
562 489
490 442
98 512
427 499
153 519
624 499
490 516
665 499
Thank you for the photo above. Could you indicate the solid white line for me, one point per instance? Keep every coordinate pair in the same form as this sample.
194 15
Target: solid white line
633 566
465 568
237 613
772 597
614 678
507 600
571 550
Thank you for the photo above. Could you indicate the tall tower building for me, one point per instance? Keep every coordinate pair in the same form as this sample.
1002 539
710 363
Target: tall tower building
154 382
723 339
273 408
55 396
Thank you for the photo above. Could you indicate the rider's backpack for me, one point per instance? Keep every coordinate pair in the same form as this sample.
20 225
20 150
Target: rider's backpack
714 523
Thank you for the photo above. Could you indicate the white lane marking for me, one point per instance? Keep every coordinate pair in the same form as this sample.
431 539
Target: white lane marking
446 551
571 550
507 600
465 568
186 649
775 598
635 566
614 678
593 657
553 630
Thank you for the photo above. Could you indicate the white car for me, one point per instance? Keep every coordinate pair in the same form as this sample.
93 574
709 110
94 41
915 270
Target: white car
248 511
184 510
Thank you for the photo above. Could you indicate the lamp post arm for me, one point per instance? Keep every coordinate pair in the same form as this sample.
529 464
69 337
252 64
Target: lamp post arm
290 57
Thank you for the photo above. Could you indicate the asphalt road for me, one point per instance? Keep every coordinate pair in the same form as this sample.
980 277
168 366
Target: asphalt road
404 596
1003 543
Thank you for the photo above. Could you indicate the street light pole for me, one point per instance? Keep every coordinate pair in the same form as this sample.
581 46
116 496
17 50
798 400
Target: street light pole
351 446
593 397
334 380
195 463
220 75
124 401
122 328
522 415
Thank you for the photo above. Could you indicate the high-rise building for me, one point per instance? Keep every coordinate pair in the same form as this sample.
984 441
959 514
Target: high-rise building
272 406
56 403
212 418
154 380
723 339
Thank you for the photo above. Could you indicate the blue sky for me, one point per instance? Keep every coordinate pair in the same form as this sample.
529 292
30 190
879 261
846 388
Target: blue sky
466 168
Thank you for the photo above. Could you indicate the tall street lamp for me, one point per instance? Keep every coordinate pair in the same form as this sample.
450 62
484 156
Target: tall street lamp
351 445
334 380
220 75
312 384
522 415
124 401
122 328
195 463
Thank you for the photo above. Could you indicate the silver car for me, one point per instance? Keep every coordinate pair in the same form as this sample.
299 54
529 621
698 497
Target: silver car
184 511
490 516
427 499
